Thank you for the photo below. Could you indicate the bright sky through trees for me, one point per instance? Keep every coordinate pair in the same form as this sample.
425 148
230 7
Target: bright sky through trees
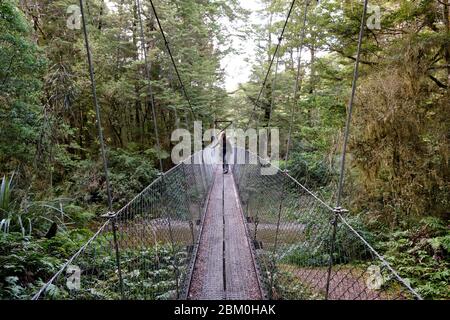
238 65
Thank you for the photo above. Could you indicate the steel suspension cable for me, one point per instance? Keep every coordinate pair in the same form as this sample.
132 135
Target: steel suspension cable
284 186
350 105
155 124
272 98
338 210
298 80
169 51
280 39
97 108
150 90
272 101
112 217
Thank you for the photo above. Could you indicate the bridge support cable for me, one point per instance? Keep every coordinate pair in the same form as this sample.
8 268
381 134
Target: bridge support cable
102 144
298 80
301 236
272 98
338 210
283 187
155 124
149 85
150 247
96 106
280 39
169 51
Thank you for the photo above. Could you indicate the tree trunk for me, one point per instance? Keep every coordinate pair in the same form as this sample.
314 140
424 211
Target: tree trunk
100 18
137 101
446 4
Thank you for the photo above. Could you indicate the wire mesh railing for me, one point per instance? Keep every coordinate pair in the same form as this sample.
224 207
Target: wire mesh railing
146 249
306 249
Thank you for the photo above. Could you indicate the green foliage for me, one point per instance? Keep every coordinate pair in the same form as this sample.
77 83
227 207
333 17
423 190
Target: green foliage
21 66
148 273
314 250
26 261
5 195
130 172
422 256
308 170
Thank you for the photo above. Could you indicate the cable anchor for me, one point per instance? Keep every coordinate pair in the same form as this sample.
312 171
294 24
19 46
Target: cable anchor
109 215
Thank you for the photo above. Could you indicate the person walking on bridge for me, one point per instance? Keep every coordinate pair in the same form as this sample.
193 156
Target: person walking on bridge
225 143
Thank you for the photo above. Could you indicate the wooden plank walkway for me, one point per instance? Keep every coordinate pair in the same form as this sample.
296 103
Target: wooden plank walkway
224 269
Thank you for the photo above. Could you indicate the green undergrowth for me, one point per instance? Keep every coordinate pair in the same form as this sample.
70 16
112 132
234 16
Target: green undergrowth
422 256
25 262
147 274
419 254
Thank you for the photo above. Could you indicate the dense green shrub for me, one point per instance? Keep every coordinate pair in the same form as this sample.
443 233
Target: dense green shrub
147 273
421 255
315 249
21 68
25 262
34 218
129 173
309 170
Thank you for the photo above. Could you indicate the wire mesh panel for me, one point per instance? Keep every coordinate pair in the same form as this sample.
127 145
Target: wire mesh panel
145 250
359 272
306 249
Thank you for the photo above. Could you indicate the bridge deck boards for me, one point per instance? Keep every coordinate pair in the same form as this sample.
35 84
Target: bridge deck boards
224 221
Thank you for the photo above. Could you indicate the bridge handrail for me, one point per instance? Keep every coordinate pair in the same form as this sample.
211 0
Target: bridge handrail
344 221
110 217
382 259
285 172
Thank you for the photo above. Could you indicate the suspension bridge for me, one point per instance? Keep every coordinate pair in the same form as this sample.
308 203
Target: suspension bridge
197 233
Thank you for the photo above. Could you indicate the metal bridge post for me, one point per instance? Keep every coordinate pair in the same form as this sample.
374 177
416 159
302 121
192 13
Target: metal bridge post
113 217
116 247
337 211
204 180
197 185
